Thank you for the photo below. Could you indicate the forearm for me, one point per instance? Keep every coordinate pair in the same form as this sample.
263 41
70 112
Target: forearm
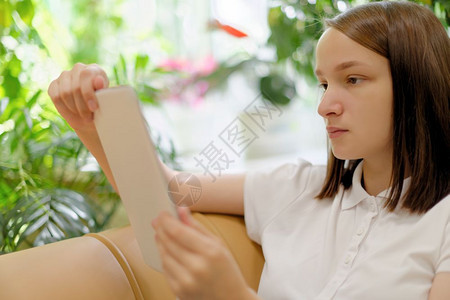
225 195
92 142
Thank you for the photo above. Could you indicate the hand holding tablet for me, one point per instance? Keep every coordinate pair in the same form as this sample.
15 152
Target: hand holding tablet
134 164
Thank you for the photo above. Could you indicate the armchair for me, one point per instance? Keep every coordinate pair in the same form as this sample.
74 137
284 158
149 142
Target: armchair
109 265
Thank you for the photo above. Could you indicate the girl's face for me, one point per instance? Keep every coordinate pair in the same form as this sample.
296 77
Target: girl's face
358 98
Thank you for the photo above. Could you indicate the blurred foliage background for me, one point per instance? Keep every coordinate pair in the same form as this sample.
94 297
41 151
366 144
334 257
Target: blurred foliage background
47 192
50 187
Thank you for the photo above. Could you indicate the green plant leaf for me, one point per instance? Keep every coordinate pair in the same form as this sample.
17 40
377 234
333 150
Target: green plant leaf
43 194
277 89
11 84
141 62
49 216
35 224
25 8
6 14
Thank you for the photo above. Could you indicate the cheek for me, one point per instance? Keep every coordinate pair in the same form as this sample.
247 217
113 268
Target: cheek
379 101
381 118
386 113
372 115
386 131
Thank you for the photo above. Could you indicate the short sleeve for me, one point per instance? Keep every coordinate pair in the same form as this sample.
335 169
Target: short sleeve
443 264
269 191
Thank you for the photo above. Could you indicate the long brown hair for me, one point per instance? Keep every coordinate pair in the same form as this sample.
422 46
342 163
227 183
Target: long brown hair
418 50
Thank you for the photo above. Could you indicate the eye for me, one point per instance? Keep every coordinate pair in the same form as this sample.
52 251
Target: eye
354 80
323 86
322 89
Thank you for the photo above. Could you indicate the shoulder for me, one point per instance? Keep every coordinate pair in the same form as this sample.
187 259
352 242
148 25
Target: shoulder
296 176
437 223
445 202
269 191
299 169
442 208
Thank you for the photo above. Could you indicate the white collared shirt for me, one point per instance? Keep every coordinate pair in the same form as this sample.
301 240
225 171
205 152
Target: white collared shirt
346 248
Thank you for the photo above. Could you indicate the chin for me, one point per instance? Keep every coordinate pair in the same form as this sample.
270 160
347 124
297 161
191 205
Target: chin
344 155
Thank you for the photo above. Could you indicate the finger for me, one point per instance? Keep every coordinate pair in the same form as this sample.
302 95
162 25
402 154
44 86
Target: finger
55 95
88 92
99 82
91 80
65 91
65 111
53 92
184 235
179 265
173 248
184 213
80 103
172 268
185 270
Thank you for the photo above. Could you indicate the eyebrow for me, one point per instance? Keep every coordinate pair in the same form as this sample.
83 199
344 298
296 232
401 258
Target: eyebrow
343 66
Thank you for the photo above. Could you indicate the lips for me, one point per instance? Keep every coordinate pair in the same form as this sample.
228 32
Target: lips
335 132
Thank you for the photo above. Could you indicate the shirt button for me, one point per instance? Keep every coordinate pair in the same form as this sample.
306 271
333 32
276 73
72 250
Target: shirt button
360 230
372 207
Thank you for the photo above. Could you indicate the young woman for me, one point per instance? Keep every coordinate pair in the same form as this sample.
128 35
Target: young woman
375 223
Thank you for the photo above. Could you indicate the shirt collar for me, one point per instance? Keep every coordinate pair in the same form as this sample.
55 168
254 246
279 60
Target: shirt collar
385 194
356 193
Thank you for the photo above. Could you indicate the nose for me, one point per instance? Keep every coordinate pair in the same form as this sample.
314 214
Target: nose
330 104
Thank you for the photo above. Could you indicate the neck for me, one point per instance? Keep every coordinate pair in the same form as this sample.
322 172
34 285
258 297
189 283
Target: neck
376 177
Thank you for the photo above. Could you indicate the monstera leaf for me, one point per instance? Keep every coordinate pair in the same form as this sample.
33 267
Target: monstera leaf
49 216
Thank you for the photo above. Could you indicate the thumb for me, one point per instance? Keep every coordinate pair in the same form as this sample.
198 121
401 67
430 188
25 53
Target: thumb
99 83
184 213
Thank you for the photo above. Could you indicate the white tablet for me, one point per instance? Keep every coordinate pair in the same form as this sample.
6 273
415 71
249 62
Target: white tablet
134 163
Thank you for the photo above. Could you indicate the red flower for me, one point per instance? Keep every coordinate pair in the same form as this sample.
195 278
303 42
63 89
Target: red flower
228 29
